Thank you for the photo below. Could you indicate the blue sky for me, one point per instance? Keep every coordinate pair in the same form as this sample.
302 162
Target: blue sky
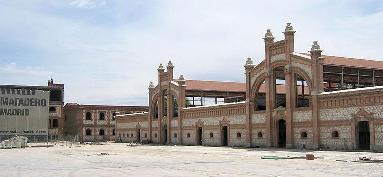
107 52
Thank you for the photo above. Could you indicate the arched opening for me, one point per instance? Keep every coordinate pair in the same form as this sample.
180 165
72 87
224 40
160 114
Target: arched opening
281 133
175 107
239 135
302 92
224 136
260 97
199 136
88 132
363 135
114 132
101 116
88 116
280 87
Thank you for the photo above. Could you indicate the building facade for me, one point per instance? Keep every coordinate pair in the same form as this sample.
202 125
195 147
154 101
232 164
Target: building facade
55 122
94 122
291 99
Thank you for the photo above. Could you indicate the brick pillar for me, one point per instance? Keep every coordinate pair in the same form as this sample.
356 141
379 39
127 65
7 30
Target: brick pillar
151 109
317 88
181 105
248 68
269 40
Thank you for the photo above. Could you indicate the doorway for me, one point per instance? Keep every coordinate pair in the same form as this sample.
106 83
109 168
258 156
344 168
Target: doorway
165 135
281 133
199 136
138 135
363 135
224 136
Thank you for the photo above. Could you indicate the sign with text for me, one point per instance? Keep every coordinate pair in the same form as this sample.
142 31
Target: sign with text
23 111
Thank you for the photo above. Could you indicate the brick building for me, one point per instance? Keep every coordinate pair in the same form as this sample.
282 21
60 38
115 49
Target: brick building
94 122
290 99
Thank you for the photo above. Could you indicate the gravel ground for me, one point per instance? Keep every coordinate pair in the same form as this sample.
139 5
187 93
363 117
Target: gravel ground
146 160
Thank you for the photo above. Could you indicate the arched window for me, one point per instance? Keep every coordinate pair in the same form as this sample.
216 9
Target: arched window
260 135
175 135
88 116
335 134
188 135
211 135
88 132
114 132
101 132
146 135
123 135
239 135
102 116
131 135
303 135
155 135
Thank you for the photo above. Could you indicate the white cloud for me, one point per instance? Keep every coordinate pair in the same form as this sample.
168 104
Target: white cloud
87 4
207 40
14 69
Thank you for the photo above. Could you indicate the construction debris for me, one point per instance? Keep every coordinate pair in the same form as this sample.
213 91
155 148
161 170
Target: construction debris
15 142
279 157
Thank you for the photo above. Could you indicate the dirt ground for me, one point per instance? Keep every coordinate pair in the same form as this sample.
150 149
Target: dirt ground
121 160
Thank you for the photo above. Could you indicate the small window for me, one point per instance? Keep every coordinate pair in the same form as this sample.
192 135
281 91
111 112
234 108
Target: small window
123 135
175 135
335 134
260 135
131 135
102 116
88 116
146 135
119 135
155 135
239 135
114 132
88 132
52 109
303 135
114 116
211 135
55 123
102 132
188 135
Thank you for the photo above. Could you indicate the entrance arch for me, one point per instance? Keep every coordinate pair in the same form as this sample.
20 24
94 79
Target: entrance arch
281 133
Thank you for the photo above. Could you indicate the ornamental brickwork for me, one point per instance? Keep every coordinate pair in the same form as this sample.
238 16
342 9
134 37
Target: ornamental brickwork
285 106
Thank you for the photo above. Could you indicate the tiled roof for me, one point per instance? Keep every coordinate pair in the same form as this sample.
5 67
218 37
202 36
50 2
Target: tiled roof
198 85
215 86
